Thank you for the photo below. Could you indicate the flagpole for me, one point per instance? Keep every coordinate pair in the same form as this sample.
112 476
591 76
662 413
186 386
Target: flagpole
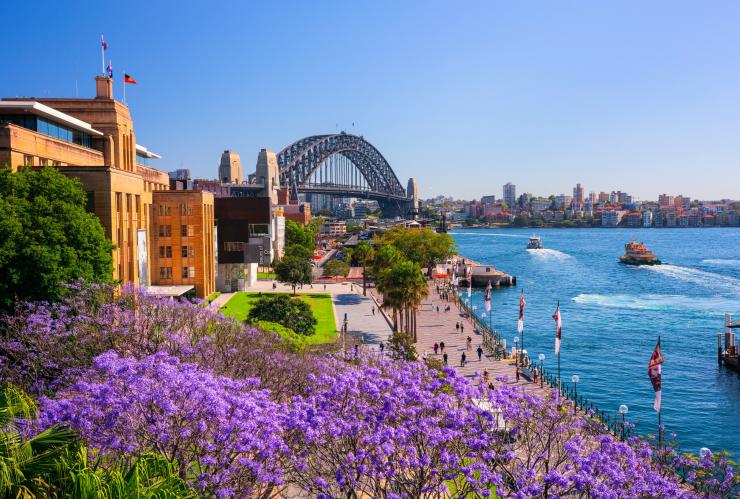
102 54
522 338
660 429
124 87
561 333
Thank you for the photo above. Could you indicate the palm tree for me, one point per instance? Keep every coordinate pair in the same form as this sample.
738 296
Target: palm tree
404 288
364 254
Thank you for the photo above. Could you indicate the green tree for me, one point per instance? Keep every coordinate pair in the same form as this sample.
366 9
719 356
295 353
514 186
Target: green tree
294 271
521 221
422 246
46 236
404 288
303 235
336 268
364 254
298 251
292 313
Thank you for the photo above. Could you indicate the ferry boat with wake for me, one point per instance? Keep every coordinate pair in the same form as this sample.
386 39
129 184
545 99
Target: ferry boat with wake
636 253
535 242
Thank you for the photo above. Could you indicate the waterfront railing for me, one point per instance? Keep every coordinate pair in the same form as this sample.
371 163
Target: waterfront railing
491 340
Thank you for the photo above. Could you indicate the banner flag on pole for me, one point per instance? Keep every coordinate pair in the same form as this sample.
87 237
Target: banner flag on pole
654 372
469 275
488 297
520 324
109 69
127 78
558 328
103 43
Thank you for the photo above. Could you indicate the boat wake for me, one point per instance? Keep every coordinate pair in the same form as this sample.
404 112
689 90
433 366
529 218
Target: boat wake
722 262
518 236
699 277
549 254
714 306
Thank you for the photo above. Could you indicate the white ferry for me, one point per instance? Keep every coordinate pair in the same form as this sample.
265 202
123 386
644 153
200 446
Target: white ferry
535 242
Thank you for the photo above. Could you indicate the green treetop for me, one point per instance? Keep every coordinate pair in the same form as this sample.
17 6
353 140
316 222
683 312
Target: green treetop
46 236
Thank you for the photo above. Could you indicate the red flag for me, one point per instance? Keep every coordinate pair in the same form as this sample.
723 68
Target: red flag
129 79
520 324
654 372
558 328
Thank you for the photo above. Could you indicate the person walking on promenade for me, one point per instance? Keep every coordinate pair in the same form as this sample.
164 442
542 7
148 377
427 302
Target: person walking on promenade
424 356
382 347
436 347
469 343
462 327
462 360
444 359
441 346
480 353
457 326
324 287
373 309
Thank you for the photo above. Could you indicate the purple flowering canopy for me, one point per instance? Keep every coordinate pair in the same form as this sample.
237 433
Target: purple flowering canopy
239 413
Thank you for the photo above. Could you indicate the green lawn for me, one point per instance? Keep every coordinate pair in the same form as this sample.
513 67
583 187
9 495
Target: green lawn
266 275
326 330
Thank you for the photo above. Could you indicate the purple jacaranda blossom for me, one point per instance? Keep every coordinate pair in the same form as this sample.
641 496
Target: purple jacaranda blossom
221 433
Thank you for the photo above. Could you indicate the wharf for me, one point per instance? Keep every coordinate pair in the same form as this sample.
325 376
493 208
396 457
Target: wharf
482 274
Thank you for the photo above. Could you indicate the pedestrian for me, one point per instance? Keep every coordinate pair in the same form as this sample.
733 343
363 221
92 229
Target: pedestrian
382 348
462 360
462 327
436 347
480 353
274 285
517 374
444 359
485 375
441 346
424 356
324 287
373 309
457 326
469 343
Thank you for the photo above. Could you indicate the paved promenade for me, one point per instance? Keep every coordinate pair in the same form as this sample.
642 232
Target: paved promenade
435 327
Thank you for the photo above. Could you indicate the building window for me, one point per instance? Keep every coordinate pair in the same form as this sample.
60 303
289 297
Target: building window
165 272
165 251
234 246
27 160
165 230
164 209
259 229
186 209
118 201
188 272
161 252
184 252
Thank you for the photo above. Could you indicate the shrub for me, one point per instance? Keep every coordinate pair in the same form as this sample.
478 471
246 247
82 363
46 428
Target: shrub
291 313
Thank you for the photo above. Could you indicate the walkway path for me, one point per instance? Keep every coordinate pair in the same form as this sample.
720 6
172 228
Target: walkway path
435 327
220 301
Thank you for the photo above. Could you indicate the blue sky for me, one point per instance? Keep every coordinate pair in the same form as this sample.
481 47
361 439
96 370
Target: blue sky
465 96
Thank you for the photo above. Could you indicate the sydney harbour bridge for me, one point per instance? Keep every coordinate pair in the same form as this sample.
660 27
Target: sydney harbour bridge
345 165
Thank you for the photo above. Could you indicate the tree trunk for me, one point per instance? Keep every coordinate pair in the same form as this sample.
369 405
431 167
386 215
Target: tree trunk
395 320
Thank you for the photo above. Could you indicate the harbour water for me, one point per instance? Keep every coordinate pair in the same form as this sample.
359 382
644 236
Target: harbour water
613 314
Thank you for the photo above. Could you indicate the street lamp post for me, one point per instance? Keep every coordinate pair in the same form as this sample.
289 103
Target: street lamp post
542 371
575 379
344 336
623 410
516 347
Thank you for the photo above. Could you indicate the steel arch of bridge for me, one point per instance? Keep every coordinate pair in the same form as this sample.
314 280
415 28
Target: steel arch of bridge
302 158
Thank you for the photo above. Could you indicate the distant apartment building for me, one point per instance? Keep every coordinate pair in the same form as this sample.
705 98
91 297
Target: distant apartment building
509 194
563 202
578 194
333 228
93 140
612 218
665 200
634 219
183 244
593 198
488 199
603 197
647 218
540 204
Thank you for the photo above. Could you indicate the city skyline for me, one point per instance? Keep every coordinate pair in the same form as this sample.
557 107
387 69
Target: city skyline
634 96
